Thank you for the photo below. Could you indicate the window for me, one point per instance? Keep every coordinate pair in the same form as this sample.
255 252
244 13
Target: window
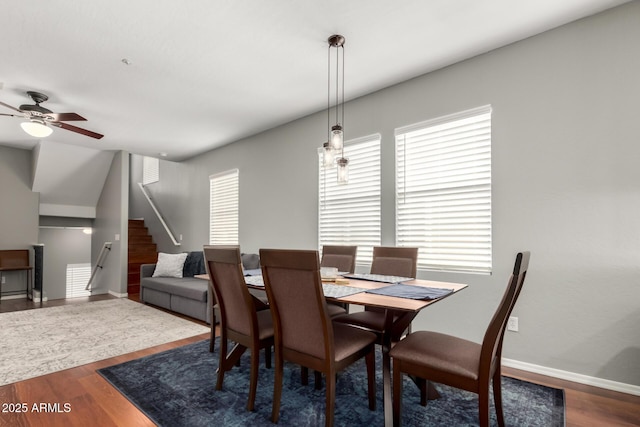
77 278
150 170
443 191
223 208
350 214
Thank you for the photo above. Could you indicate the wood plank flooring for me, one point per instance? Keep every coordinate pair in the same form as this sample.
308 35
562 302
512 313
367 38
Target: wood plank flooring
92 401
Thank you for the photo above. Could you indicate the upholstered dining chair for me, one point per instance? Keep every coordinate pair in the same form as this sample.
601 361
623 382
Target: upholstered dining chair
458 362
239 319
341 257
304 331
344 259
389 261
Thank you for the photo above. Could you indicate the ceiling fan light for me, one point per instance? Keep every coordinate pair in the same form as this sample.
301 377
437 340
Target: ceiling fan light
36 129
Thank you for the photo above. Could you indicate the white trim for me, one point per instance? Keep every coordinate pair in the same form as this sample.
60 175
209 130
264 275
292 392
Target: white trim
444 119
117 294
573 377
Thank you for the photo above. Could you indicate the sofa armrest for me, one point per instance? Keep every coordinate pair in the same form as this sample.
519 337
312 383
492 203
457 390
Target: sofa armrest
146 270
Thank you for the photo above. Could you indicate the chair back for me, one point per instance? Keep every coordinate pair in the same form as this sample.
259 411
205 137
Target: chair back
395 261
492 342
296 299
237 308
341 257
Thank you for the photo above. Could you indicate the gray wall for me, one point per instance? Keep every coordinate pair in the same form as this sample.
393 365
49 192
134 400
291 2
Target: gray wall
18 210
566 186
112 212
62 246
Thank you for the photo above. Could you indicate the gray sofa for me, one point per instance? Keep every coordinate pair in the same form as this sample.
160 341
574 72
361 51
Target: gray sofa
186 295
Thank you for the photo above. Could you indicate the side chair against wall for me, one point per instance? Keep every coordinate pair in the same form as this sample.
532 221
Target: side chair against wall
344 259
239 319
304 331
457 362
388 261
341 257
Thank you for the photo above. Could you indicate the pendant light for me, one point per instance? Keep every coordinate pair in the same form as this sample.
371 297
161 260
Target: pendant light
335 143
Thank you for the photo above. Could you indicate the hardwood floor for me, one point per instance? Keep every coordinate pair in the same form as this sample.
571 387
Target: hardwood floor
92 401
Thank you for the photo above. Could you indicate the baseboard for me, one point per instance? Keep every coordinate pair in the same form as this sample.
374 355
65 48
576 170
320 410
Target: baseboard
119 295
572 376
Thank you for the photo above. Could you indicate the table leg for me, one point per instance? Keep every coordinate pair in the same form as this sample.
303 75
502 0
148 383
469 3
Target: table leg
386 368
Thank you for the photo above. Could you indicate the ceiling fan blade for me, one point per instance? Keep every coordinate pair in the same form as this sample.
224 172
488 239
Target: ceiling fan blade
9 106
10 115
66 117
77 130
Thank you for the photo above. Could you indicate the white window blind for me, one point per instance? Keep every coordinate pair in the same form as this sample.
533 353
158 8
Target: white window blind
150 170
223 208
77 278
350 214
443 194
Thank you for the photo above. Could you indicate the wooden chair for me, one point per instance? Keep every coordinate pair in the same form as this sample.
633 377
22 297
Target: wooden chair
457 362
239 319
304 331
341 257
391 261
344 259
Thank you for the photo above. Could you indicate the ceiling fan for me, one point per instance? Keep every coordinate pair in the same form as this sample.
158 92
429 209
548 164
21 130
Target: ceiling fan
40 117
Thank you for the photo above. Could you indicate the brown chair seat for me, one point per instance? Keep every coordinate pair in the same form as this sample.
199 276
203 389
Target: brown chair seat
265 324
436 352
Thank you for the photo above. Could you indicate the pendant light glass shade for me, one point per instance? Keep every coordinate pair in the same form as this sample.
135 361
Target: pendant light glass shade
328 155
343 170
337 137
36 128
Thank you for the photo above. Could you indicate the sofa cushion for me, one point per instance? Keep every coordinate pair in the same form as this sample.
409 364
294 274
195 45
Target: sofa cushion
250 261
194 264
169 265
187 287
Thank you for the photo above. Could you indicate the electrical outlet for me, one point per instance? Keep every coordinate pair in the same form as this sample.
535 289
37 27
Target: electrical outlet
181 237
117 237
4 280
512 324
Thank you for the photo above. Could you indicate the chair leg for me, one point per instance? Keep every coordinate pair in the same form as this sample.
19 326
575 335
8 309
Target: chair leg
212 339
253 384
370 359
223 355
304 375
267 357
483 405
331 398
317 380
422 385
277 389
397 394
497 396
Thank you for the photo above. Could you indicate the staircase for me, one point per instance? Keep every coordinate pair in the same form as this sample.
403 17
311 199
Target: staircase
141 250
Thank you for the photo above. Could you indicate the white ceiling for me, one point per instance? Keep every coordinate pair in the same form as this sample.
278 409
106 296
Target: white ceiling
204 73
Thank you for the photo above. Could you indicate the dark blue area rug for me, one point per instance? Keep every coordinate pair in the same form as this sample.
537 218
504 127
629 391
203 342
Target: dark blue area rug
177 388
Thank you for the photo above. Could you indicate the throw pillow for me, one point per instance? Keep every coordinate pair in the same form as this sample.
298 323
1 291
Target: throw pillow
194 264
169 265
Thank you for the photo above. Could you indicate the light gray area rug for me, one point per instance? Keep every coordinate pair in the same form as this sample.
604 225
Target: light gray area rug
41 341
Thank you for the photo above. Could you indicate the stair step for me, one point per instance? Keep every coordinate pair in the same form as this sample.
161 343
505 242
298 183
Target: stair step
142 258
134 223
133 289
143 247
143 231
140 239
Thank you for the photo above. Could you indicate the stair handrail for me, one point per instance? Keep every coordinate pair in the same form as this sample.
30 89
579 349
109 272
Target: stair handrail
106 248
155 209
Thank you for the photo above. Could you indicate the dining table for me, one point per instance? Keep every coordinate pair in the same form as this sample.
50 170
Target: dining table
362 290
